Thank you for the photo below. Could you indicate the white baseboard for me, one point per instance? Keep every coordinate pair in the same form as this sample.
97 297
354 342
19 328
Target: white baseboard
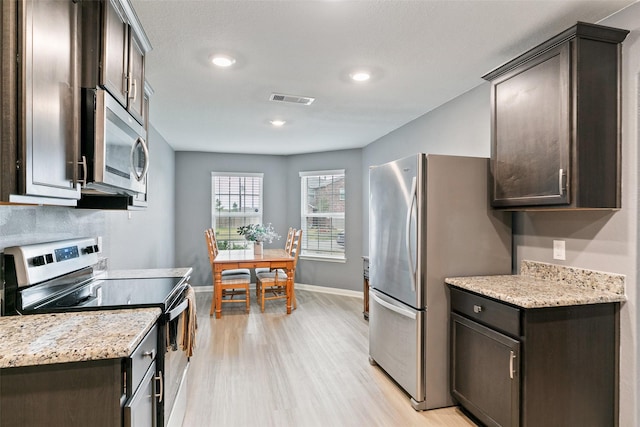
327 290
304 287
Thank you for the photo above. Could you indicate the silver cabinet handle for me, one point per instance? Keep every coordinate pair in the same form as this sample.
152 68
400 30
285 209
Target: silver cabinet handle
150 354
161 392
477 308
512 356
560 186
134 85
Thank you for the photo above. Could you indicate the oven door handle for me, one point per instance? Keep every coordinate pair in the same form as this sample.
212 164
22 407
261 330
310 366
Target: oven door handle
175 312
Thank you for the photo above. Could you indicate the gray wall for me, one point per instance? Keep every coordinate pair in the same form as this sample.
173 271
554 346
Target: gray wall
193 202
604 241
144 241
281 208
460 127
346 275
146 238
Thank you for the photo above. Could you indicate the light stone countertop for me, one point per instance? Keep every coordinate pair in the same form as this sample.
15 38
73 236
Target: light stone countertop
547 285
147 273
42 339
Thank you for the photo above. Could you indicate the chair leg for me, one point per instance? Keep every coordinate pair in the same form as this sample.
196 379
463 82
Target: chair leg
247 298
262 298
293 297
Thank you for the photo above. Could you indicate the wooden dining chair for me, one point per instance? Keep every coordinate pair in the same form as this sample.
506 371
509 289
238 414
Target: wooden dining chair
233 283
211 234
273 284
287 247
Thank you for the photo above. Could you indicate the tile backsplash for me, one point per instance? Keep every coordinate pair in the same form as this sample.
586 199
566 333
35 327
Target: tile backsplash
23 225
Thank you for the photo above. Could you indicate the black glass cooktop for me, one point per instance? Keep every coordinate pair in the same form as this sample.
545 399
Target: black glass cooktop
114 294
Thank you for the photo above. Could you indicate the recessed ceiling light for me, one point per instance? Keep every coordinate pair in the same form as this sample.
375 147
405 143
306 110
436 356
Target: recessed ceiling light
223 61
360 76
277 123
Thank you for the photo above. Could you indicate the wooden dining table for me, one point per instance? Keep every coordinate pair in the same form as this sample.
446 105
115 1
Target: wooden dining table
232 259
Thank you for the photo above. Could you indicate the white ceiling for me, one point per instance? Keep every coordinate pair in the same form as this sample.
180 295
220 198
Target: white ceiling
421 53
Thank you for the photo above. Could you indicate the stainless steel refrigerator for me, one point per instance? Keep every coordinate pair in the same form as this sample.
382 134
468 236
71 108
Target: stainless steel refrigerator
429 219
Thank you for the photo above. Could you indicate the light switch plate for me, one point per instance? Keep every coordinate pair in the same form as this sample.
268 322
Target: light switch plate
558 250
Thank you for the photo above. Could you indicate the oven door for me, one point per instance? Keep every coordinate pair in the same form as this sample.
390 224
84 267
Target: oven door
176 364
114 147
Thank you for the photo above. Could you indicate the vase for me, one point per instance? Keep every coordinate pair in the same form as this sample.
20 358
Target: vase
257 248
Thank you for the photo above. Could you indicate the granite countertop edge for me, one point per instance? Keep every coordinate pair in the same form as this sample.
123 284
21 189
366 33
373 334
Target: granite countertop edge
532 292
44 339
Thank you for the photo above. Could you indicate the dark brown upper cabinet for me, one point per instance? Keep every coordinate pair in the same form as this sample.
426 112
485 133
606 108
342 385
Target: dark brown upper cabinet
39 127
555 123
114 46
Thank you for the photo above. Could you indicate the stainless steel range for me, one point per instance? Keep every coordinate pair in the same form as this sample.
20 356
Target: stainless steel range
63 276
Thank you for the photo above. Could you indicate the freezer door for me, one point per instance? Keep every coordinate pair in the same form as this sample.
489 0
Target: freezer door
395 210
396 344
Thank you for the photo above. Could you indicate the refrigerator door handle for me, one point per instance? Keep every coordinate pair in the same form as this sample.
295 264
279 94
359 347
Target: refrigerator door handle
412 267
403 312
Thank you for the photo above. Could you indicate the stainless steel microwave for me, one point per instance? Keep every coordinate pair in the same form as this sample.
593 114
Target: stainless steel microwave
115 157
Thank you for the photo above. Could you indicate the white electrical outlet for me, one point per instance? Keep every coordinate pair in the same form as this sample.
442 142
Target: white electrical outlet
558 250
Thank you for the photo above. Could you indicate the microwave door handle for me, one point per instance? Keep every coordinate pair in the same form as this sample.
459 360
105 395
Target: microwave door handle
146 158
145 169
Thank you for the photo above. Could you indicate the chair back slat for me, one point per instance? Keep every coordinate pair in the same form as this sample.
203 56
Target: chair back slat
212 245
296 244
289 244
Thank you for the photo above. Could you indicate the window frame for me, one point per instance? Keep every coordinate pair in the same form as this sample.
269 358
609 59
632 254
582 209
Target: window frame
305 252
214 213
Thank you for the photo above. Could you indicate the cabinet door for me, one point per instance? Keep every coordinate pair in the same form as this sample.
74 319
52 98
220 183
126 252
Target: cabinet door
48 124
136 80
531 125
485 376
140 409
115 52
77 394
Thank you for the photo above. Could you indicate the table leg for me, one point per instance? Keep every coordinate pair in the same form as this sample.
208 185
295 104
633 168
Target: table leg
216 303
289 288
213 297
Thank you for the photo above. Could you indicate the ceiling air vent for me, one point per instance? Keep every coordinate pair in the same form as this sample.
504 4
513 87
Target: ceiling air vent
291 99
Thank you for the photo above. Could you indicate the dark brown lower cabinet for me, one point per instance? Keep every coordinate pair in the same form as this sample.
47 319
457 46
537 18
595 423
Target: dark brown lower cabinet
554 366
481 380
67 394
96 393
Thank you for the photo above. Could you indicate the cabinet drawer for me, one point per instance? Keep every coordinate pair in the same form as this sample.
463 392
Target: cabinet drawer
486 311
142 357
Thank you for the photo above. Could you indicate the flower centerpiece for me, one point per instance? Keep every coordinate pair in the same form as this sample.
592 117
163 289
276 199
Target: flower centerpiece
258 233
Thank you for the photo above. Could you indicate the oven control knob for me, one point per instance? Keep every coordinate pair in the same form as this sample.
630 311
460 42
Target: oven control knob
89 250
38 260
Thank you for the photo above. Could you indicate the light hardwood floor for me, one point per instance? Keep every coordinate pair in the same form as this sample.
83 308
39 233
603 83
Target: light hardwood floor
307 369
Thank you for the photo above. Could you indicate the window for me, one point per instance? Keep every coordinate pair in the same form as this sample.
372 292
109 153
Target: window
237 200
323 208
